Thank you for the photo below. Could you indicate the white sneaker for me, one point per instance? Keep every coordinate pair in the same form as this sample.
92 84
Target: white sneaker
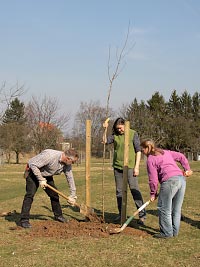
72 200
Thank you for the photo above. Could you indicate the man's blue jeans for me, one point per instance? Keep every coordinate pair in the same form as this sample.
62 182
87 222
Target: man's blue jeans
170 201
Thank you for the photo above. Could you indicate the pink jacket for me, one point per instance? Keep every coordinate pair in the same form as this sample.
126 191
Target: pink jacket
162 167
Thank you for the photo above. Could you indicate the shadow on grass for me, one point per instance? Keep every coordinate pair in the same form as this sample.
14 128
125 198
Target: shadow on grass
14 216
153 212
146 228
194 223
108 217
185 219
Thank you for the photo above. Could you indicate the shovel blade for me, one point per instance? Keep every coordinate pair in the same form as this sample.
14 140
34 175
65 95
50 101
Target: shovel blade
115 231
85 210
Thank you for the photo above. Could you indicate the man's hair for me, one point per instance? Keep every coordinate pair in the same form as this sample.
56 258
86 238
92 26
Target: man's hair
71 153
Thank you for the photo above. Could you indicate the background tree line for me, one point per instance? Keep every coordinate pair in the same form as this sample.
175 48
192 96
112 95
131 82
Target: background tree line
173 124
31 127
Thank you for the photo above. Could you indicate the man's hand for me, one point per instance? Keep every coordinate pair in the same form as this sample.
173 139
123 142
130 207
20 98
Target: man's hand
43 184
72 200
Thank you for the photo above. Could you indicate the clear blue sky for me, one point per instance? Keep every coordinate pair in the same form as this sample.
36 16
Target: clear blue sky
60 48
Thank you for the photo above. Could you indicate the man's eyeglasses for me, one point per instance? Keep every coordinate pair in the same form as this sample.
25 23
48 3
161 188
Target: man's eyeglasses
72 159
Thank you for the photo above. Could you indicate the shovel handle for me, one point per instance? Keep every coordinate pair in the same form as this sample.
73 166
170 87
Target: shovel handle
134 214
60 193
141 208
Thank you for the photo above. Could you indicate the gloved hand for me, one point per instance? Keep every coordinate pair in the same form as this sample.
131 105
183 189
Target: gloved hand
72 200
43 184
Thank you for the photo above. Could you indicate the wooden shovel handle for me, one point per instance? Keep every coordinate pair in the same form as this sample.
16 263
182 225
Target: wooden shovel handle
60 193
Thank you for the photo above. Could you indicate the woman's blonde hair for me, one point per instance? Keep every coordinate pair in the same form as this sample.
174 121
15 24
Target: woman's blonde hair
152 149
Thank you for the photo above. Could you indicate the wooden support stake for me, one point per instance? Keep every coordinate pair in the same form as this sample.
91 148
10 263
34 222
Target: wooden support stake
87 162
125 172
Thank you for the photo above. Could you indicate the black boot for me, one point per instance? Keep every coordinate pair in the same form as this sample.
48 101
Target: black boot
137 197
119 205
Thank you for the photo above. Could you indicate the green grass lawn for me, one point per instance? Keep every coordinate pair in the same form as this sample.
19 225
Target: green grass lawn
115 250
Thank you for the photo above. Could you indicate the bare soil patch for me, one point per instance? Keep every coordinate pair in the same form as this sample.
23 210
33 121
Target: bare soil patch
75 228
93 226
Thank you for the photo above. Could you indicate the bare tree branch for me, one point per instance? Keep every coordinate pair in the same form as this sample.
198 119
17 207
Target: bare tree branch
120 56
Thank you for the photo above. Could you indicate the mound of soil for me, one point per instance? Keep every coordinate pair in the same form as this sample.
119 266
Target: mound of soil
75 228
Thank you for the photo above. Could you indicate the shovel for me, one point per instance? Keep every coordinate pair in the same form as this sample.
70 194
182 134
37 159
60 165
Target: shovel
85 210
119 230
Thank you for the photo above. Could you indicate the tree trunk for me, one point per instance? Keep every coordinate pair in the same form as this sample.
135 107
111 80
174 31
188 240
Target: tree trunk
17 157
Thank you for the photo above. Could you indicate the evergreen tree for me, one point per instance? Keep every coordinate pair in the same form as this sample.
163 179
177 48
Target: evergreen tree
174 105
14 132
195 125
140 118
186 105
15 113
174 124
157 115
196 106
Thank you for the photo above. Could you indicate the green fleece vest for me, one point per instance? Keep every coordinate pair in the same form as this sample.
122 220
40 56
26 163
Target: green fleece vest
118 158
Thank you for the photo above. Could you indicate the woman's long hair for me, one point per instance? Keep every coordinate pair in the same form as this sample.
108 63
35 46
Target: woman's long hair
118 121
152 148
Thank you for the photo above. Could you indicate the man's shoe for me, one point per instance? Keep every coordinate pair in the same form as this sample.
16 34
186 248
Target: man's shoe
160 236
61 219
24 224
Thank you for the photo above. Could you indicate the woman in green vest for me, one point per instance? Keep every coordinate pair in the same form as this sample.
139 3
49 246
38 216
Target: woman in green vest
117 138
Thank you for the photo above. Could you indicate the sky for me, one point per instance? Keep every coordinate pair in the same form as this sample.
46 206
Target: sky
60 48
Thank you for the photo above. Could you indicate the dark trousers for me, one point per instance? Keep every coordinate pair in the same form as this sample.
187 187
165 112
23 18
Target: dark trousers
134 188
32 185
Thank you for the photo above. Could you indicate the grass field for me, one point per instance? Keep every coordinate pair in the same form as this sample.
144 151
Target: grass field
116 250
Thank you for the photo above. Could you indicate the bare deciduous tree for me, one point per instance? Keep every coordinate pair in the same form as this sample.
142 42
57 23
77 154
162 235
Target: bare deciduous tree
119 65
96 113
112 76
45 122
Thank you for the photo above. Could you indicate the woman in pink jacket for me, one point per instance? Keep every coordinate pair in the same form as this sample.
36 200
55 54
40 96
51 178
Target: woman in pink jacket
162 168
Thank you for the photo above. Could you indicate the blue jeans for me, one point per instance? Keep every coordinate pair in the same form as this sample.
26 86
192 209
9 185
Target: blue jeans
170 201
